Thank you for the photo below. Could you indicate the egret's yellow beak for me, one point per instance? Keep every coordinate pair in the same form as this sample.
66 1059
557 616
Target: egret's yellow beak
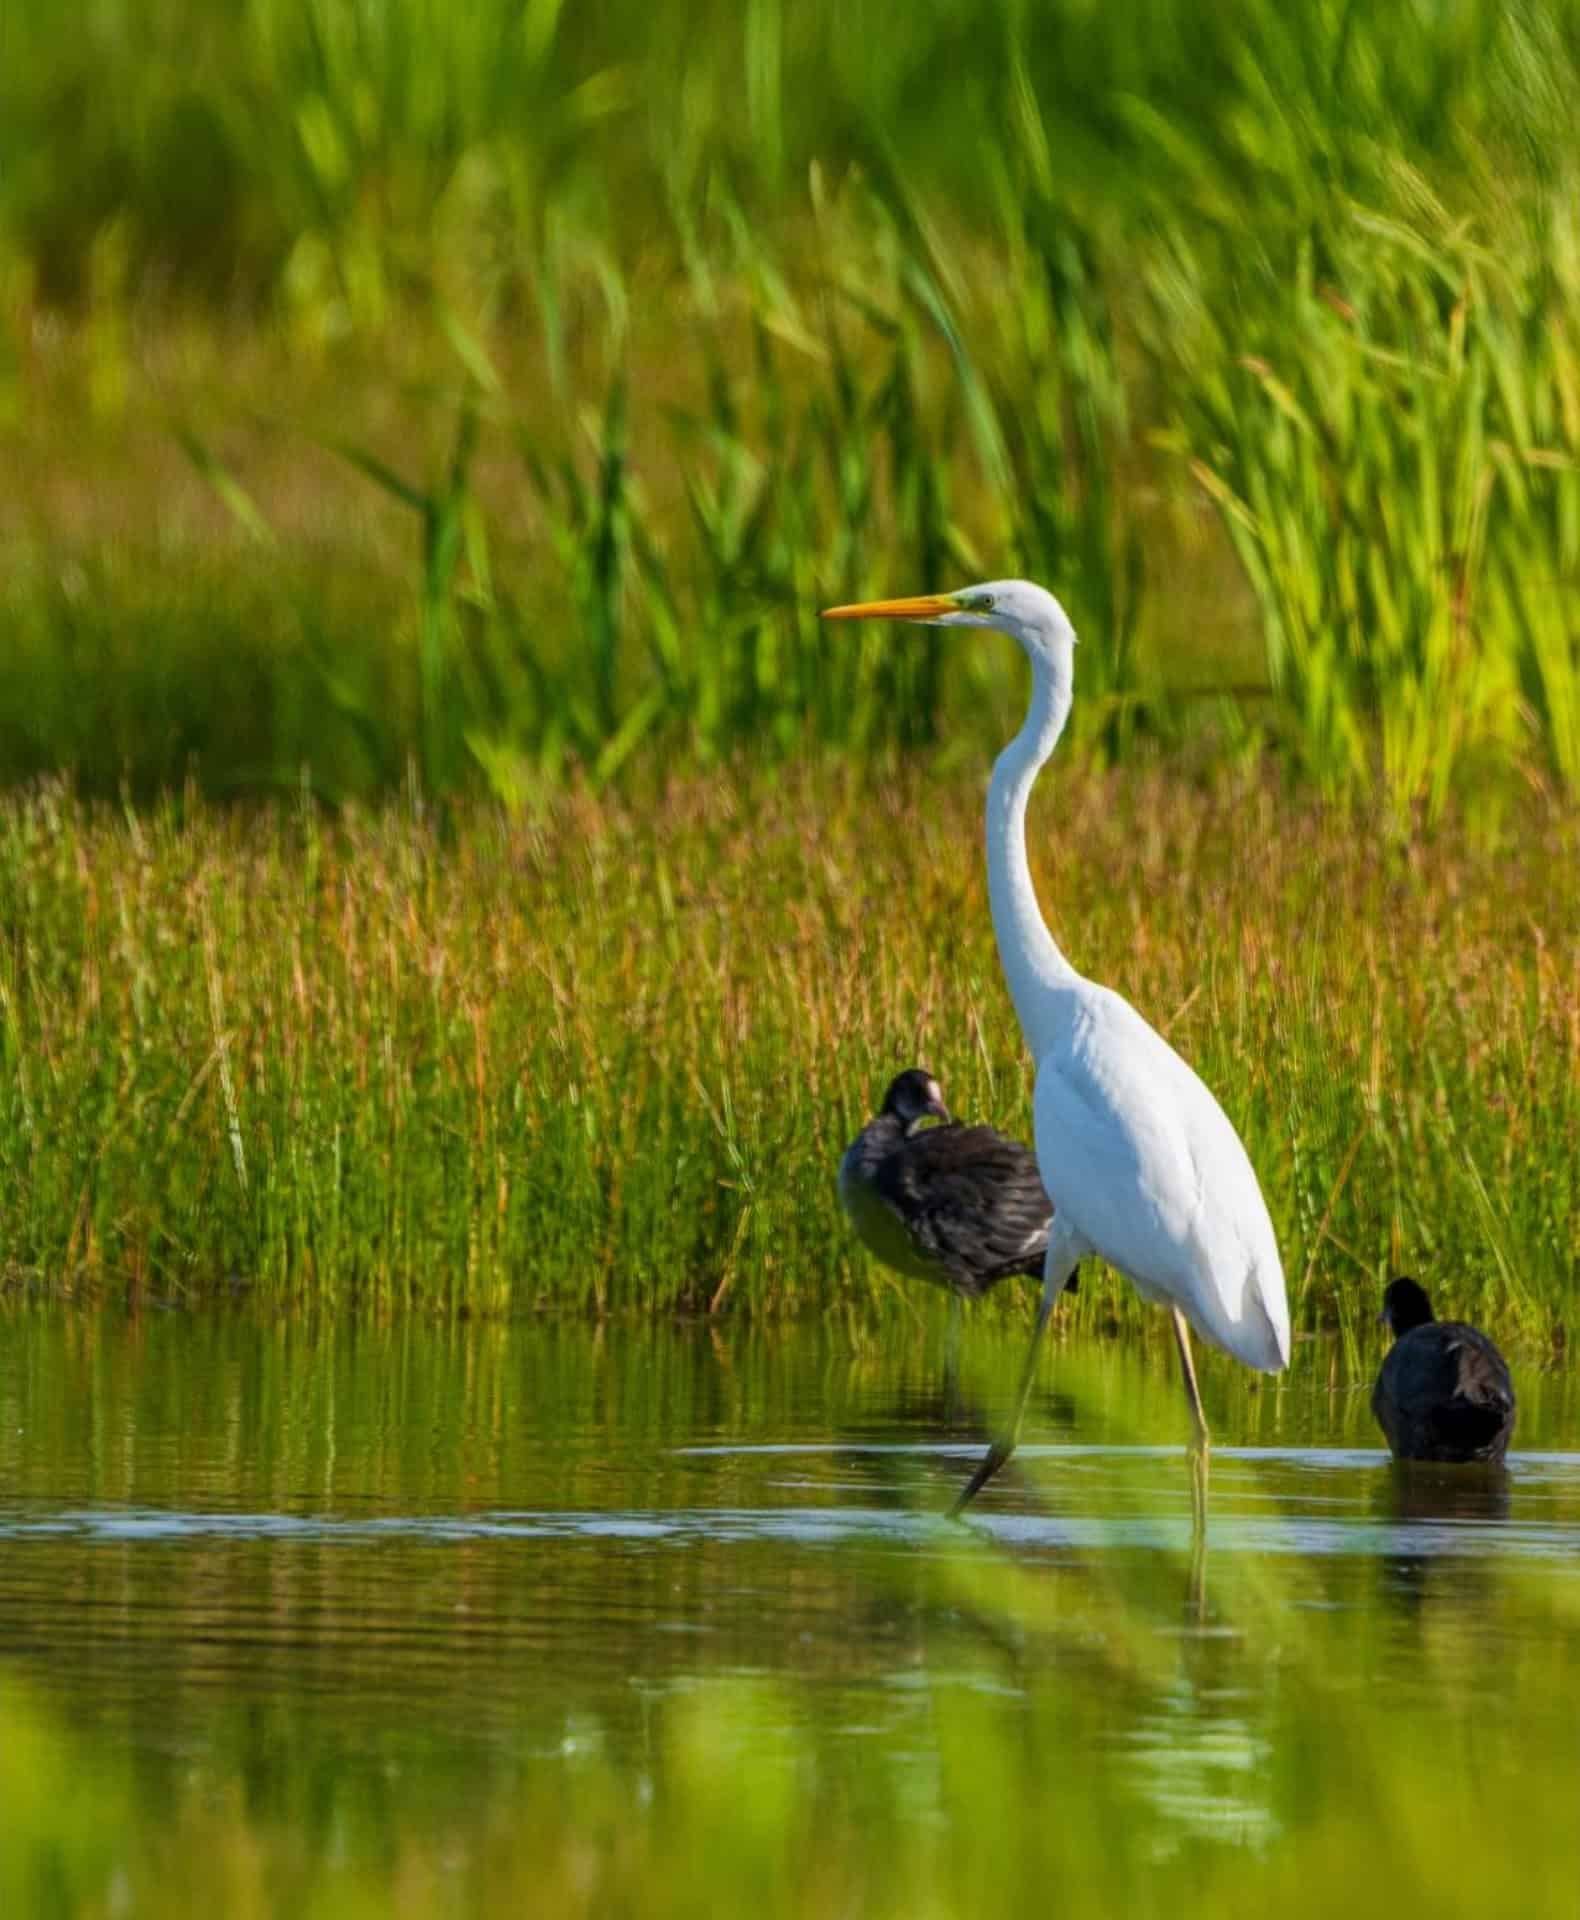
921 606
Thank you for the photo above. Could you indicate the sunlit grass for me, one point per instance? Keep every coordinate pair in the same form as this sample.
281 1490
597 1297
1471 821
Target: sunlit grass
601 1056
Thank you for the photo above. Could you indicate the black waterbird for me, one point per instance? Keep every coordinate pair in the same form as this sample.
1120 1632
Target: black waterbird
1444 1392
961 1206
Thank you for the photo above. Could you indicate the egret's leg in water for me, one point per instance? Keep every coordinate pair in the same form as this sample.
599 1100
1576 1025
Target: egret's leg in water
1197 1590
1064 1254
1202 1439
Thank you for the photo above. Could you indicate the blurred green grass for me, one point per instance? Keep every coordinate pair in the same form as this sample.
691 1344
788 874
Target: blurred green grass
637 333
263 141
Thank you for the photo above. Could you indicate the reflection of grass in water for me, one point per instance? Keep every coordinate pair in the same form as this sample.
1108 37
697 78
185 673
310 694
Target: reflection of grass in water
958 1729
604 1057
1125 1758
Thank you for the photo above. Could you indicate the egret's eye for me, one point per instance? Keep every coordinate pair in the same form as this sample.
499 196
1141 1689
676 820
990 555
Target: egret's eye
985 603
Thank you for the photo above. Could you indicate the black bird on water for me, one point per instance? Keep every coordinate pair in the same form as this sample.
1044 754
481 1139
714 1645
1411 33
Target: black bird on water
1444 1391
961 1206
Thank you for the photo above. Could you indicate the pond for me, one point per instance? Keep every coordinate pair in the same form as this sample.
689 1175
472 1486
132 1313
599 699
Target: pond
369 1586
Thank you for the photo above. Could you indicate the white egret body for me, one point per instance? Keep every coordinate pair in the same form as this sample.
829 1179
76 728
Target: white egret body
1140 1161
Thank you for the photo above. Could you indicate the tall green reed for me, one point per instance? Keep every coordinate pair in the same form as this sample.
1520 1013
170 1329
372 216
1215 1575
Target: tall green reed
1391 449
759 333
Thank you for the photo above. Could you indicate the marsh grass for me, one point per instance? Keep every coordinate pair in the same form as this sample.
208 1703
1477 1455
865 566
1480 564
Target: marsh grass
600 1056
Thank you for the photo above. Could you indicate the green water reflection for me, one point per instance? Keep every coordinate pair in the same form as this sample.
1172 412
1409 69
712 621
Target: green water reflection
361 1582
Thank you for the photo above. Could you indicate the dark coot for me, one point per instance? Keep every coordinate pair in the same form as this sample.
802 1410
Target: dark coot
961 1206
1444 1391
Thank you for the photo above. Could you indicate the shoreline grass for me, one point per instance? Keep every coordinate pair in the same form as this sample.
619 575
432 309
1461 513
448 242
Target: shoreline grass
600 1056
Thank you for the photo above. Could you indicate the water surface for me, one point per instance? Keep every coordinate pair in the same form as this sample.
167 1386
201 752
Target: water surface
367 1578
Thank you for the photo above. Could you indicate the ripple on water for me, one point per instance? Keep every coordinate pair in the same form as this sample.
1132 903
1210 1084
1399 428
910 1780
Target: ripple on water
1317 1502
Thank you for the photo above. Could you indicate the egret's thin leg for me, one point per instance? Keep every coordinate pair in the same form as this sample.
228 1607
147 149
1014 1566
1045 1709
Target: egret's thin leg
1182 1337
1202 1439
1065 1249
1001 1449
1200 1457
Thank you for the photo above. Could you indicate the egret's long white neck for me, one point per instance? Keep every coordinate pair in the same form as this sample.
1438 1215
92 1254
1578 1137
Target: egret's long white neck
1031 960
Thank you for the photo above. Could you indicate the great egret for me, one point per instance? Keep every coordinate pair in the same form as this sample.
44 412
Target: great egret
960 1206
1444 1391
1140 1161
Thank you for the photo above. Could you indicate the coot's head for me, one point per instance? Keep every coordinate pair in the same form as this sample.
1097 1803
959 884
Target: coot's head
1404 1306
913 1096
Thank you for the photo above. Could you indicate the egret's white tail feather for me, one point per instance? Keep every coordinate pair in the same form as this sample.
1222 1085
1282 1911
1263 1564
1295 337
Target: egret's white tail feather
1265 1334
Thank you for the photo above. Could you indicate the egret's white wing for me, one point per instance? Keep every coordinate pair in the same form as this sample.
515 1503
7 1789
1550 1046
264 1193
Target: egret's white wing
1138 1155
